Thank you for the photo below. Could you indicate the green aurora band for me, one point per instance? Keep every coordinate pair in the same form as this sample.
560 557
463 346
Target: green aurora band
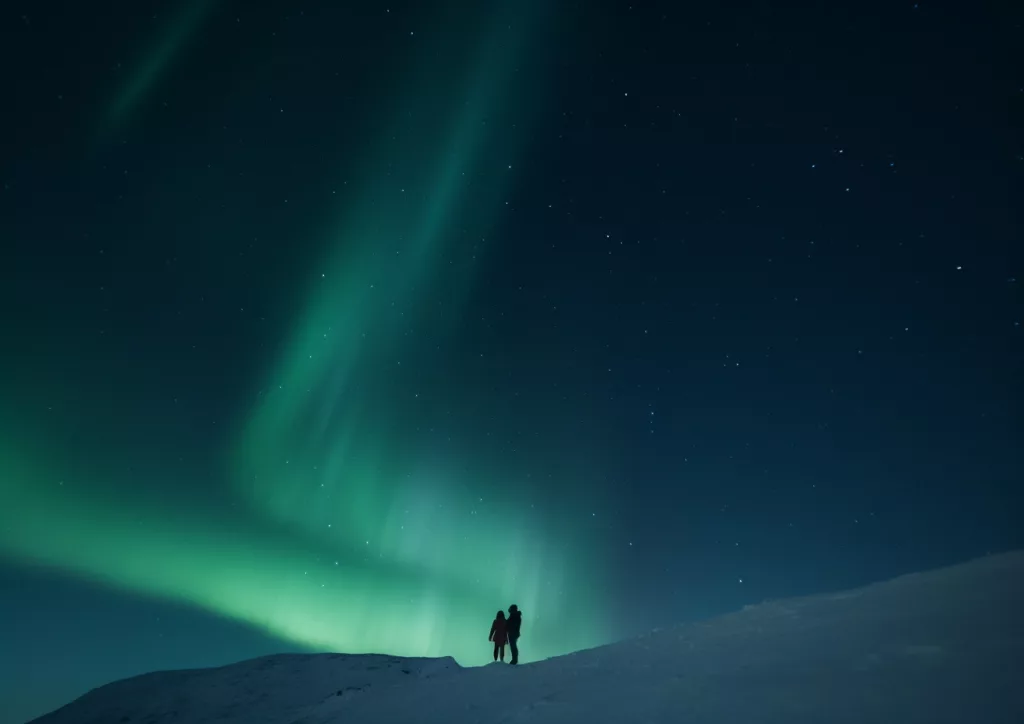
158 58
343 537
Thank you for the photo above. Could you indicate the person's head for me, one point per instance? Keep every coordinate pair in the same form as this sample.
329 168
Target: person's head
512 609
501 615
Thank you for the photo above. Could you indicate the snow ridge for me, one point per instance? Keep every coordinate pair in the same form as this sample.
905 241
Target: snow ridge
945 646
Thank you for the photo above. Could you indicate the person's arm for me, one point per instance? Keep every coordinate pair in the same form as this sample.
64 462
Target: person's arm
490 636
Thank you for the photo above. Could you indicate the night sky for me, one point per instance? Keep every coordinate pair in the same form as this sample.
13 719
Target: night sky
340 326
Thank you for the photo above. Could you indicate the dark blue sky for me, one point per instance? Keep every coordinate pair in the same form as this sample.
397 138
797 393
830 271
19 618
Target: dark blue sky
744 321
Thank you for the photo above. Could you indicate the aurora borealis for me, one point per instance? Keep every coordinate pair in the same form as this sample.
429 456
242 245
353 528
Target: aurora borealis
340 327
345 538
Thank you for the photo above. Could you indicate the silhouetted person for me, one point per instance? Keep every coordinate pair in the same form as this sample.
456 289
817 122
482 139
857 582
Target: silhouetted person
498 635
512 629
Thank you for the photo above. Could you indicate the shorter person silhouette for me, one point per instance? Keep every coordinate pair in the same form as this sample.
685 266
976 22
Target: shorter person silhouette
498 636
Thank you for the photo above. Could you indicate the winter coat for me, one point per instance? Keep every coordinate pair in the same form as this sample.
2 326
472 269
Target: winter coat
514 623
498 634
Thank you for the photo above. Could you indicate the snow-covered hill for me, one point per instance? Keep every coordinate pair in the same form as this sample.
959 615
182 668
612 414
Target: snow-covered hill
942 646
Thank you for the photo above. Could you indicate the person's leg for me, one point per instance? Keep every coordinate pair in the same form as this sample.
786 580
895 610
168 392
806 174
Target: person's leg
513 645
502 650
496 650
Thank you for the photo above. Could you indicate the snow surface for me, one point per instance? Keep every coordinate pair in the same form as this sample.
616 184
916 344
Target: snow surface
942 646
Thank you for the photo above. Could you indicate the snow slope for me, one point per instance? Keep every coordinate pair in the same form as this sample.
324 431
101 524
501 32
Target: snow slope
942 646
